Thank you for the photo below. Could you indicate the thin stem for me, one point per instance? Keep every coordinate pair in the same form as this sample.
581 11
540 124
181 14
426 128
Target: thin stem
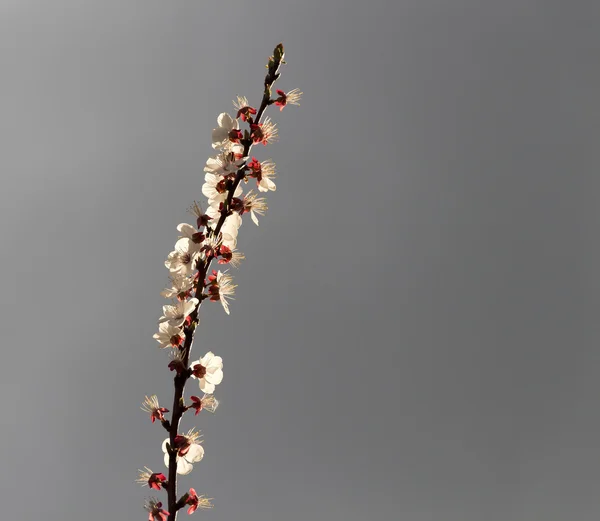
181 379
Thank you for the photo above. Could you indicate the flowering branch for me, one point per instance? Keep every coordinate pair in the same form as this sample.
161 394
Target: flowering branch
213 238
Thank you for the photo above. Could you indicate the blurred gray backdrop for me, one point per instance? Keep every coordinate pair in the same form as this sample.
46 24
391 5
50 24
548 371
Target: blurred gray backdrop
415 335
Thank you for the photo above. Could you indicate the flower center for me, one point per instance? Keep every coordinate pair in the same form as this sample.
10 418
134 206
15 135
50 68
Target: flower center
221 186
199 371
182 445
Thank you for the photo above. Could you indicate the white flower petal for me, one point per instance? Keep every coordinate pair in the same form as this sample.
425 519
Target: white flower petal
184 467
195 453
220 136
205 360
212 164
215 378
226 121
206 387
189 306
225 305
216 362
187 230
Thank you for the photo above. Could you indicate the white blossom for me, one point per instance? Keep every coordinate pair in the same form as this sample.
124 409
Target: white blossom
231 225
181 284
183 259
189 451
220 135
255 205
208 371
209 403
266 178
265 132
221 288
175 314
215 190
169 336
224 164
193 234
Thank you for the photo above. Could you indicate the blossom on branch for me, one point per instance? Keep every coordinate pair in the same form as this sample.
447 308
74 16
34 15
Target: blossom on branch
181 287
244 110
154 480
176 314
195 236
215 188
263 172
169 336
231 225
224 164
208 371
227 256
220 288
227 131
188 449
151 405
195 501
207 403
155 510
291 98
264 133
255 205
183 259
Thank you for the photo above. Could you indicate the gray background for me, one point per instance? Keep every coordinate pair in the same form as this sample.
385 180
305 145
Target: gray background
415 335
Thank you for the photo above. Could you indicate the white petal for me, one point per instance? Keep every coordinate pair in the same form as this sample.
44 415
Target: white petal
205 360
215 363
206 387
195 453
212 164
189 306
235 219
164 446
213 211
225 305
187 230
226 121
167 460
183 245
231 243
254 218
215 378
220 136
184 467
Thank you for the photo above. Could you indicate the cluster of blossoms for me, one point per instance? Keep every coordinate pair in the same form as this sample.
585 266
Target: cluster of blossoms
213 236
